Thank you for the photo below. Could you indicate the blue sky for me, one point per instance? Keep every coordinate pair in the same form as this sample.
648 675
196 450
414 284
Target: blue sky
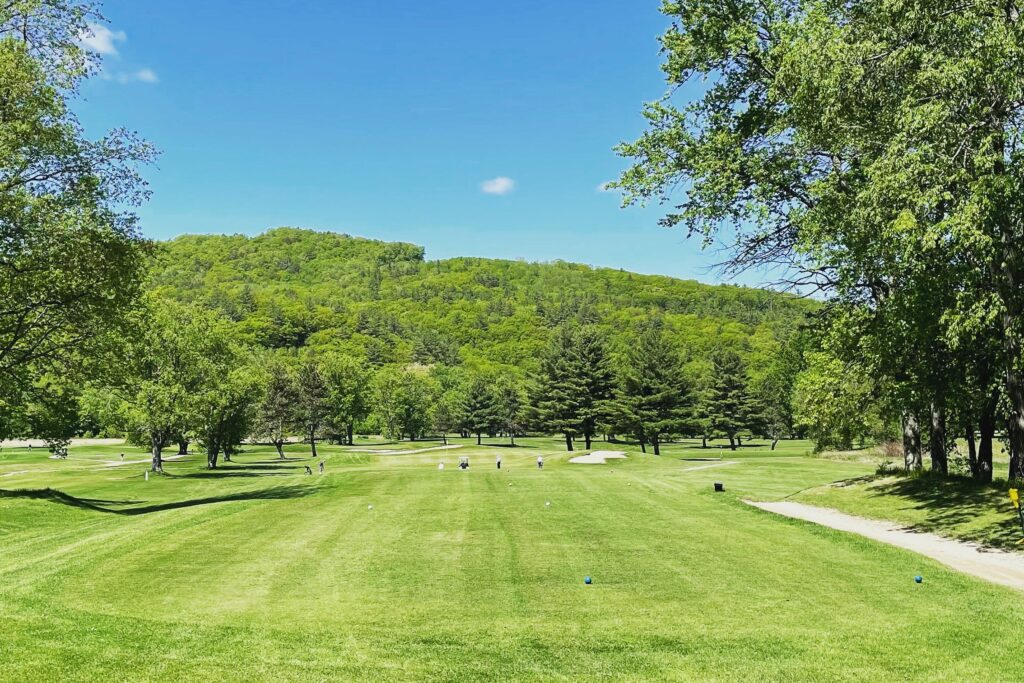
387 119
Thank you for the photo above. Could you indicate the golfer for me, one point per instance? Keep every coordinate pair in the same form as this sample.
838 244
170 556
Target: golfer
497 461
540 462
321 467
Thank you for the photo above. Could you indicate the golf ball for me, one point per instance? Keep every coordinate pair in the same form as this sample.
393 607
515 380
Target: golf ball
547 504
369 507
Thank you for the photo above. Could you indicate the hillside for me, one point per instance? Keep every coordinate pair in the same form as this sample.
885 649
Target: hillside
290 288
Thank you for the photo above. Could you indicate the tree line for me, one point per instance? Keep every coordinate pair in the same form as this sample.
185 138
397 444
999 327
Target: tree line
869 153
186 377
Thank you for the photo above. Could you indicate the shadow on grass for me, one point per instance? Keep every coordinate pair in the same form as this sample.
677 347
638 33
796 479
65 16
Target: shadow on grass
233 474
955 501
117 507
235 470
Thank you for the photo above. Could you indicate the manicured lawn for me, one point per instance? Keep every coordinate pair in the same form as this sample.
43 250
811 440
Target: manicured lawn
260 572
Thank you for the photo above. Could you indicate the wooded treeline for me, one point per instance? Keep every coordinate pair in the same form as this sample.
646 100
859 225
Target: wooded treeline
871 151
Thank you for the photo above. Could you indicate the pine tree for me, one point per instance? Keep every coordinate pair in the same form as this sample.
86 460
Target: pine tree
312 408
727 402
654 398
509 404
597 379
558 390
479 409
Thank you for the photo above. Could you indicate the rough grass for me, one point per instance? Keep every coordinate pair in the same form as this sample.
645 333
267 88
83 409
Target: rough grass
259 572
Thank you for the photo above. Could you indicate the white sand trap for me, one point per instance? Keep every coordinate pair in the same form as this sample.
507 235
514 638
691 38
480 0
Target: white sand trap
401 452
597 457
996 566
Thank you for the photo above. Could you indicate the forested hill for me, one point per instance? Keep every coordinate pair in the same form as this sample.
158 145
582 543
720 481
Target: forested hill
290 288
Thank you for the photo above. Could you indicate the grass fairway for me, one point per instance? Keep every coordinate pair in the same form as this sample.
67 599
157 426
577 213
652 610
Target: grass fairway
259 572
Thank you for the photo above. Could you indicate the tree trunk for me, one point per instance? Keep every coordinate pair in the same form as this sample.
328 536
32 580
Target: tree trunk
643 445
158 462
279 445
986 434
444 438
739 442
732 442
704 442
657 444
1015 436
211 458
940 463
972 449
775 442
1007 270
183 447
312 441
350 433
512 438
568 442
479 437
587 437
911 442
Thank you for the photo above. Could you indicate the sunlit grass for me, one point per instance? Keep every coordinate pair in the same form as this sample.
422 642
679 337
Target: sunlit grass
261 572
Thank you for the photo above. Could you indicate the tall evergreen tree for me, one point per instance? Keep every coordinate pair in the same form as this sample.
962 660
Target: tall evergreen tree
557 396
479 409
654 398
727 401
312 406
509 408
597 379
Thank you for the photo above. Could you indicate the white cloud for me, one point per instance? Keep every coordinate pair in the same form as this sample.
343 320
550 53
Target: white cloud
101 39
499 185
123 77
146 75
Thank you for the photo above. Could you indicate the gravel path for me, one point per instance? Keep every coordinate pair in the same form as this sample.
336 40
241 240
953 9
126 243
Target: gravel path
992 565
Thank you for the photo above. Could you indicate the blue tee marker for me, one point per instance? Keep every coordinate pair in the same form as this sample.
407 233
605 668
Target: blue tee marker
587 580
918 579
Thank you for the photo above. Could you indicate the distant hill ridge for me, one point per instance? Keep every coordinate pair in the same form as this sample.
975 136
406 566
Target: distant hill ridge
289 288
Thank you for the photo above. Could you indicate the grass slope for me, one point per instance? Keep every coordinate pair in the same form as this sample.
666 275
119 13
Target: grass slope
258 571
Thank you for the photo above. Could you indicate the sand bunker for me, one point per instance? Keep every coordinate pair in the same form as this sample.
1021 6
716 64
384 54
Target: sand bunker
597 457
